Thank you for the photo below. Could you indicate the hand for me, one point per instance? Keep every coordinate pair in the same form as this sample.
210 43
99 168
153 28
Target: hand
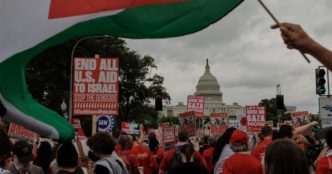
295 37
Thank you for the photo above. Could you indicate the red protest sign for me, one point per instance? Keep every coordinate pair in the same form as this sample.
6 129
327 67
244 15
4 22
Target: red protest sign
196 103
95 86
19 132
168 134
300 118
188 122
256 117
219 123
79 133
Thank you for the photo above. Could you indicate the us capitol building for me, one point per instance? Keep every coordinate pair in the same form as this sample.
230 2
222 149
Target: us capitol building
208 87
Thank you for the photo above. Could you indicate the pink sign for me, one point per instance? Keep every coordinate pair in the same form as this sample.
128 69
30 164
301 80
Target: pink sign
95 86
256 117
196 103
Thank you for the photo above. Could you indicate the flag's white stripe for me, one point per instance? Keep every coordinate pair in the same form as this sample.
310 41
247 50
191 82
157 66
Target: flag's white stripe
25 23
18 117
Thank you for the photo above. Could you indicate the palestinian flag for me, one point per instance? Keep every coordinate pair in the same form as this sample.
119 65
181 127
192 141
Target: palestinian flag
30 26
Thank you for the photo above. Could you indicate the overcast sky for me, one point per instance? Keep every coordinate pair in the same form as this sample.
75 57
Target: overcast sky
245 55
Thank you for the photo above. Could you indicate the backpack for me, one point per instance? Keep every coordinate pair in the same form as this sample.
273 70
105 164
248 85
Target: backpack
177 159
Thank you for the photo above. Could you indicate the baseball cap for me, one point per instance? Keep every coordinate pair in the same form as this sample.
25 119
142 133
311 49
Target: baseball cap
23 151
239 138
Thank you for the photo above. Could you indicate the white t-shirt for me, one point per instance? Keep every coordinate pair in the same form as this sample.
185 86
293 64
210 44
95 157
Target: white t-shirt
226 153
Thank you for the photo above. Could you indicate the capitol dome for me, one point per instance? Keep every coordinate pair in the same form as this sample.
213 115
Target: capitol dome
208 85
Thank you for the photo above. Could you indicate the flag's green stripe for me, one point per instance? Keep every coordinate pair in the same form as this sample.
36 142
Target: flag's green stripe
154 21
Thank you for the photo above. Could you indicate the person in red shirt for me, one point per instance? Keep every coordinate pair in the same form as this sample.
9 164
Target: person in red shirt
208 154
145 158
241 162
168 155
259 151
129 158
324 165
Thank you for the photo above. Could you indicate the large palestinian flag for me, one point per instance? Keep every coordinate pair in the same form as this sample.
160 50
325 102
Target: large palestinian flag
30 26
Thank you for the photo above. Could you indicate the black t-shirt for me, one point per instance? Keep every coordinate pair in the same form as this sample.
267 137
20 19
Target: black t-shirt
188 168
78 170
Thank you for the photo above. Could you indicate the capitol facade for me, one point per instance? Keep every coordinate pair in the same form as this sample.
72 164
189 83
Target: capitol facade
209 88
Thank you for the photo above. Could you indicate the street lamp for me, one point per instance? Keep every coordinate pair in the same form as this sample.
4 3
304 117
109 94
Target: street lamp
63 109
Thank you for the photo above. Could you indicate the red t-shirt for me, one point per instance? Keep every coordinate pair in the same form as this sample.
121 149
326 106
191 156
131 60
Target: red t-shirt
168 155
324 165
240 163
145 158
259 150
130 157
208 156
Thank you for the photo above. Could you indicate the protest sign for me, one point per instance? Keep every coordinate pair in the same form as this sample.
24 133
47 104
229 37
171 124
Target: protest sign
300 118
168 134
130 128
105 123
19 132
219 123
256 117
196 103
79 133
95 86
188 122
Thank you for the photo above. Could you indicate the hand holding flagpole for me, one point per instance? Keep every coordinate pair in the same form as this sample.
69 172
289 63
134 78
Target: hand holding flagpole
277 22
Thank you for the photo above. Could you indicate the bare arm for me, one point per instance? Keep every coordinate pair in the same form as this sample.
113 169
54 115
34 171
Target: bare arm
296 38
301 129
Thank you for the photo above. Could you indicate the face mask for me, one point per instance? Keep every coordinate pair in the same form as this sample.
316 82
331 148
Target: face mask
92 156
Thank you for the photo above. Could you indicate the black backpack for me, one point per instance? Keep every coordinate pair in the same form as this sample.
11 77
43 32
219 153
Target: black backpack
177 159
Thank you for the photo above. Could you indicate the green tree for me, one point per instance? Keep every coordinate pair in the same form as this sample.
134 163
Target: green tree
170 119
48 75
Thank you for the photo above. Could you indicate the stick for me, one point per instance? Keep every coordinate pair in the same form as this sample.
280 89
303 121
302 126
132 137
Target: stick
277 22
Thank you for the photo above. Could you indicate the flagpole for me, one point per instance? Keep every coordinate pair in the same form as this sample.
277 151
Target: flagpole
277 22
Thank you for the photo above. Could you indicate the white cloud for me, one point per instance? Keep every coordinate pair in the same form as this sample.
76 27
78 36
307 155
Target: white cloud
246 56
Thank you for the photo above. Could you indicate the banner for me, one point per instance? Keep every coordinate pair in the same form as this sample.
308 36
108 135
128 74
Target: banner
219 123
130 128
196 103
95 86
105 123
300 118
256 117
325 111
188 122
19 132
168 134
79 133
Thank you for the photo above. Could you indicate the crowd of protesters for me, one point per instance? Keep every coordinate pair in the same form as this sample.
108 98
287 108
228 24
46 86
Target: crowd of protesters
286 150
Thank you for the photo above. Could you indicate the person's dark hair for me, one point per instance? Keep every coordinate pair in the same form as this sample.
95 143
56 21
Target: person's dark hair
187 150
222 141
67 155
275 134
329 138
125 141
266 131
284 156
285 131
205 140
153 142
5 147
102 143
44 156
183 136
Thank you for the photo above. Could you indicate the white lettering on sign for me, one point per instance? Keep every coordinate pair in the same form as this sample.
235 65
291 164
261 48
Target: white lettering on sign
102 88
108 77
85 64
108 64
